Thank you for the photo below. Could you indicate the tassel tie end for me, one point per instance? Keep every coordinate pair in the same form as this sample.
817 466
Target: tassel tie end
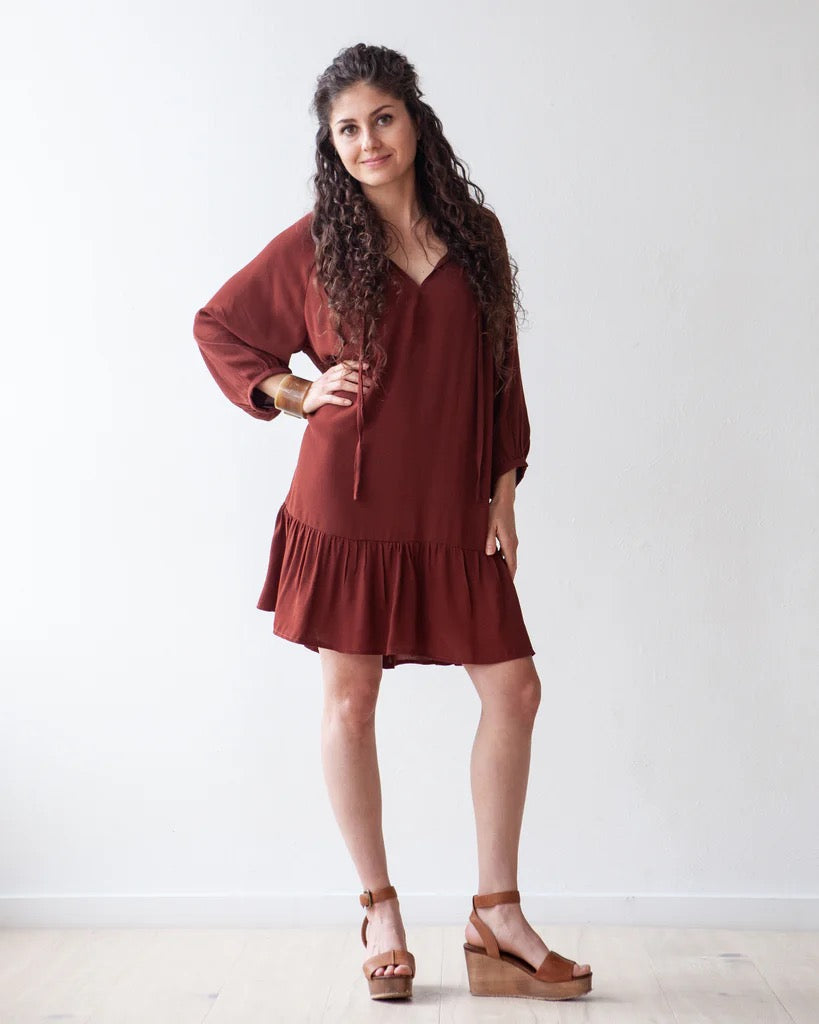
359 416
480 415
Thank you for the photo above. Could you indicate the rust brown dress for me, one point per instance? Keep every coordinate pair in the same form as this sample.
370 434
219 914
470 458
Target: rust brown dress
378 547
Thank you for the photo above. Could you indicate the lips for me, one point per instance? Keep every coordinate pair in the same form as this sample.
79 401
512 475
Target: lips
376 162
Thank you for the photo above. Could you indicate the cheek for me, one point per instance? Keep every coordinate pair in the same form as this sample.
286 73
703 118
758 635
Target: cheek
349 161
407 141
345 153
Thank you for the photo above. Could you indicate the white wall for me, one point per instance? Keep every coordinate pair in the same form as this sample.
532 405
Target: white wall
655 168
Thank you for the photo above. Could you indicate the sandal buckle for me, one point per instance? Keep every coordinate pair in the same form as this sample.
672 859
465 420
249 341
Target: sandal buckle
368 893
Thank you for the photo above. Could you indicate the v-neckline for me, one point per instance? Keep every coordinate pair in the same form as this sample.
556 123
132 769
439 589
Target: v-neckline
411 279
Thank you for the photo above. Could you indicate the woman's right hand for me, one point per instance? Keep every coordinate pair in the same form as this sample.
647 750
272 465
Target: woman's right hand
341 376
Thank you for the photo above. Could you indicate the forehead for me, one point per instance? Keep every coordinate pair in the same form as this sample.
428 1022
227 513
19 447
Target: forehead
359 101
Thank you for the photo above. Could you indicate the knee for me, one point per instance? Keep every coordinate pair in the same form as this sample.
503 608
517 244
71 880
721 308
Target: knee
354 706
510 690
527 698
351 688
520 702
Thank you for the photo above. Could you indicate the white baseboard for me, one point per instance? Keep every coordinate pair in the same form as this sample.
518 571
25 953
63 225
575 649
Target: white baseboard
294 910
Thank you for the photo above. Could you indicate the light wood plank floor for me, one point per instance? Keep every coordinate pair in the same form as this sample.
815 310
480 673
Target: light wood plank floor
266 976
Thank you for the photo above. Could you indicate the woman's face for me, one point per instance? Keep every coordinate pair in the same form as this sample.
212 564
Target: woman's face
368 124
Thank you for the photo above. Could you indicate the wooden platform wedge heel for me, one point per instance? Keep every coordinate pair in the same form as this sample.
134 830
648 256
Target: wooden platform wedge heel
492 972
385 986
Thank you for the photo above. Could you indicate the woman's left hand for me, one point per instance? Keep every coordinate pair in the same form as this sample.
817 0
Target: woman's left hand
502 527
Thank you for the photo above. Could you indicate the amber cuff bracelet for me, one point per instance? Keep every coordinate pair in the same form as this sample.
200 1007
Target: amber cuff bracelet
290 395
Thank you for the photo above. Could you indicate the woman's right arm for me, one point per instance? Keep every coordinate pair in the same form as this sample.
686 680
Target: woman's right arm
252 326
265 392
248 331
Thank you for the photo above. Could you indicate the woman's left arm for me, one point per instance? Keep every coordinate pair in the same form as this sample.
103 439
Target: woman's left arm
510 449
502 521
510 444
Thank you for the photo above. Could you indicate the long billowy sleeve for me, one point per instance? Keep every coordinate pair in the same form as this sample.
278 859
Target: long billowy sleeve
510 424
255 322
510 429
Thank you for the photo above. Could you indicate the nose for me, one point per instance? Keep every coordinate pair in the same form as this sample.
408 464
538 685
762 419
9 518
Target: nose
369 140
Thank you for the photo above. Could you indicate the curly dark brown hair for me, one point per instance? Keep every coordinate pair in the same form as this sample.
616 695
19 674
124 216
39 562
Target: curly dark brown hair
350 237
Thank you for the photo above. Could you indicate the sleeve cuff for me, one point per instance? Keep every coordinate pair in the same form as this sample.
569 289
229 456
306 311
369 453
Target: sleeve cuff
519 463
259 398
261 404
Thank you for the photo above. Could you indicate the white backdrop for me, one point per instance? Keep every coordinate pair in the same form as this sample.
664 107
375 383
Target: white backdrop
654 167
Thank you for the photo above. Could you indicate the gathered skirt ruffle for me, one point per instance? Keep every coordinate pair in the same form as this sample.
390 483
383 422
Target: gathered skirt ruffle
409 601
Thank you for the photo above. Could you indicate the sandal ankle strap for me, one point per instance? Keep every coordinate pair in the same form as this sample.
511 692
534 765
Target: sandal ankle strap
370 896
491 899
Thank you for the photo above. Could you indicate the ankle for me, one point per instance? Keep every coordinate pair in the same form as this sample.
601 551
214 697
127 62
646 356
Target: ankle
501 912
384 909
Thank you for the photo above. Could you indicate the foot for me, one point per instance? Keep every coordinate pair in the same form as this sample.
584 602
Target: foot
514 935
385 931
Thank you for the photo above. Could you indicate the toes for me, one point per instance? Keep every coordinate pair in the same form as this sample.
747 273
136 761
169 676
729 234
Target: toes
392 969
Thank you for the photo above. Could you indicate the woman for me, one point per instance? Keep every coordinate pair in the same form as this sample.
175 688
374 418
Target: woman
399 288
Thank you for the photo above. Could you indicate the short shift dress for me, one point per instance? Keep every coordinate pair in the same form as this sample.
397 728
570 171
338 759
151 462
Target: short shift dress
379 545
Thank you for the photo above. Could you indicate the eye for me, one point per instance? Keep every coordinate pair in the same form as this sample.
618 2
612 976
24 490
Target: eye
379 118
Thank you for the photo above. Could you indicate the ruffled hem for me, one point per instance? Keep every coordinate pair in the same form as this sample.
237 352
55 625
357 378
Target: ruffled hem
409 601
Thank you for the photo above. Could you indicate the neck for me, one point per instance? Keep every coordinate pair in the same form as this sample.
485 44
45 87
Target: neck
397 202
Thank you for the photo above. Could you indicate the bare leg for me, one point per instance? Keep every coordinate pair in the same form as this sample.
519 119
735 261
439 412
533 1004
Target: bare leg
350 764
510 697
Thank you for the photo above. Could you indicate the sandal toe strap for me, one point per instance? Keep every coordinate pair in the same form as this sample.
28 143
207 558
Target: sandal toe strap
392 956
555 968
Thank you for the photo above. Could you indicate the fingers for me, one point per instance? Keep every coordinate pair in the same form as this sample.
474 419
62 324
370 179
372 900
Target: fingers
347 373
344 376
498 532
508 552
349 366
511 563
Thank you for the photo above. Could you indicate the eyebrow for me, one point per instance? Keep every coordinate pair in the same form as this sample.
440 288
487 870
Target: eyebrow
344 120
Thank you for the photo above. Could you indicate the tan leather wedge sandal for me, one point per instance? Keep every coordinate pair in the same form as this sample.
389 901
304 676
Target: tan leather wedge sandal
495 973
385 986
